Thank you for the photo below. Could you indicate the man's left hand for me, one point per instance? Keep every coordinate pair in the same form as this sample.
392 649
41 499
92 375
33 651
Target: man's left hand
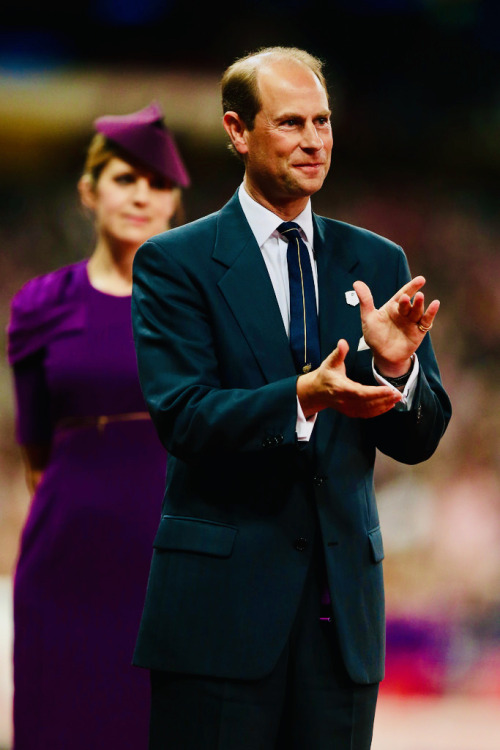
395 331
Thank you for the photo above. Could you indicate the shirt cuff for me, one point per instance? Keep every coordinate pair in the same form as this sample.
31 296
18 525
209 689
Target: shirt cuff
409 390
304 427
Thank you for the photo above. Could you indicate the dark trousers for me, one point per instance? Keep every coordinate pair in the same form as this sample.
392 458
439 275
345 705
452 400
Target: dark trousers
308 700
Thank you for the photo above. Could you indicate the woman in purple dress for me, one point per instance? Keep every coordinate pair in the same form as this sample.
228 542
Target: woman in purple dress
94 462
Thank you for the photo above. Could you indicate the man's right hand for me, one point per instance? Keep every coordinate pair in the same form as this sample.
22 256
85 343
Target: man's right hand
328 387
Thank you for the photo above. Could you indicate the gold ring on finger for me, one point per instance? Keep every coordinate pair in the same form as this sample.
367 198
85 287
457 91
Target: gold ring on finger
424 329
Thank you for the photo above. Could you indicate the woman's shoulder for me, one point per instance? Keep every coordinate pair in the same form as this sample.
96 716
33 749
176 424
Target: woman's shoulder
45 304
50 288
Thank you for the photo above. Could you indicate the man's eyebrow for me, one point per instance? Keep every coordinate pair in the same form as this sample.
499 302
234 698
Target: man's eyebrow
298 116
289 116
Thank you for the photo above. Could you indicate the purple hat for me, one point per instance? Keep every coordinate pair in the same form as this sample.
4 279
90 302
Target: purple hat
146 138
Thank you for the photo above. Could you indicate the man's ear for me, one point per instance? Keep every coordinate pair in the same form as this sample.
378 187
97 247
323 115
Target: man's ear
236 130
86 191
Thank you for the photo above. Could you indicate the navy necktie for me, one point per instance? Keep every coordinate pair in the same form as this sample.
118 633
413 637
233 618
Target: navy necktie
304 336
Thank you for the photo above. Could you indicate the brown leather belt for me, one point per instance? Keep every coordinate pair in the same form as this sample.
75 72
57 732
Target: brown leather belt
101 420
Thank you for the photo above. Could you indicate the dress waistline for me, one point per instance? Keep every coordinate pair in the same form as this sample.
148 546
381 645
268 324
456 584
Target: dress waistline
100 421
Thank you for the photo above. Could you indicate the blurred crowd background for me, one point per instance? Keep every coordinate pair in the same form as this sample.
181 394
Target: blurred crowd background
416 118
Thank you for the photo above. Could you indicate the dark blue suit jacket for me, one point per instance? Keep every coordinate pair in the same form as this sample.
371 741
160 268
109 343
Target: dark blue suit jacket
218 377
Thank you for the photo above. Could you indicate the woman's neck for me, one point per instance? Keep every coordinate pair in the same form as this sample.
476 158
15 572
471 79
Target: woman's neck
111 272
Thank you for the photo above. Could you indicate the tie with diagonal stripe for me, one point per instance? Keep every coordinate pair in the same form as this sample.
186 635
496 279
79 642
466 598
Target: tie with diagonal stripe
304 334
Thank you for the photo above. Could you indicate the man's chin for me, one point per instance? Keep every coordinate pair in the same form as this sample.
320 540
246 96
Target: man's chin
306 186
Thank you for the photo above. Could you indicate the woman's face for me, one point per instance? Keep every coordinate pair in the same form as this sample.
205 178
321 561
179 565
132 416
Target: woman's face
130 204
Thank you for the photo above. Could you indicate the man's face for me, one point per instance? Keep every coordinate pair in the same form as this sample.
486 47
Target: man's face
289 149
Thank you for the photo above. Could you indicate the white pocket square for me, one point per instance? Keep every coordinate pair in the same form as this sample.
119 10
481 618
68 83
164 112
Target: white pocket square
362 345
352 298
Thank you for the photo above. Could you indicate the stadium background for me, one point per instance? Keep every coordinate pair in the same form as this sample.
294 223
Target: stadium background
416 118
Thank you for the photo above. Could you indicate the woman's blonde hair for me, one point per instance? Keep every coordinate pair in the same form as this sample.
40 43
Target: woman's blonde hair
99 154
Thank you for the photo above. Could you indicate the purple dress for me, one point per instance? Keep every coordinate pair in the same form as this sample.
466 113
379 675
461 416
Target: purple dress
86 547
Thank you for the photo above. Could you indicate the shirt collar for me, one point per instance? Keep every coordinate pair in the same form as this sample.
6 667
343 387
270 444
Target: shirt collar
264 222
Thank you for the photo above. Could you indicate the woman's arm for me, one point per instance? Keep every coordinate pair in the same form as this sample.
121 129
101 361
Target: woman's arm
35 458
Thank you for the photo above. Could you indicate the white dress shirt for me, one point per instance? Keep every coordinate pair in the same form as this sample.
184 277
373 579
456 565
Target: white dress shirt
264 224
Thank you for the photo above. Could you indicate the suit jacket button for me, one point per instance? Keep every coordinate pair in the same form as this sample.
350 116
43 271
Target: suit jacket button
318 481
272 441
301 544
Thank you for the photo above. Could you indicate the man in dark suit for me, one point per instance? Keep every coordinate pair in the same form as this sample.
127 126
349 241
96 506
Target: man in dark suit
263 625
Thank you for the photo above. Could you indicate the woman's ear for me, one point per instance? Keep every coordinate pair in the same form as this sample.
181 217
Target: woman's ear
87 192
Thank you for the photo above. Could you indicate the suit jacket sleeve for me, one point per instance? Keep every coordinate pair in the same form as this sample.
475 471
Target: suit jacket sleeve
196 404
412 436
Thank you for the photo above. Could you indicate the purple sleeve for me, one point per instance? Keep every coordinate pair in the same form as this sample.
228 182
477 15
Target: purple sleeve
46 307
33 422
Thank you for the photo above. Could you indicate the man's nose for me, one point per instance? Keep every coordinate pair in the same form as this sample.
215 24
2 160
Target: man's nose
311 139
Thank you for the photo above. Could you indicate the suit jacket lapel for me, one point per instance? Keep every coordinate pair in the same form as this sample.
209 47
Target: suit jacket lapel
336 263
249 292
